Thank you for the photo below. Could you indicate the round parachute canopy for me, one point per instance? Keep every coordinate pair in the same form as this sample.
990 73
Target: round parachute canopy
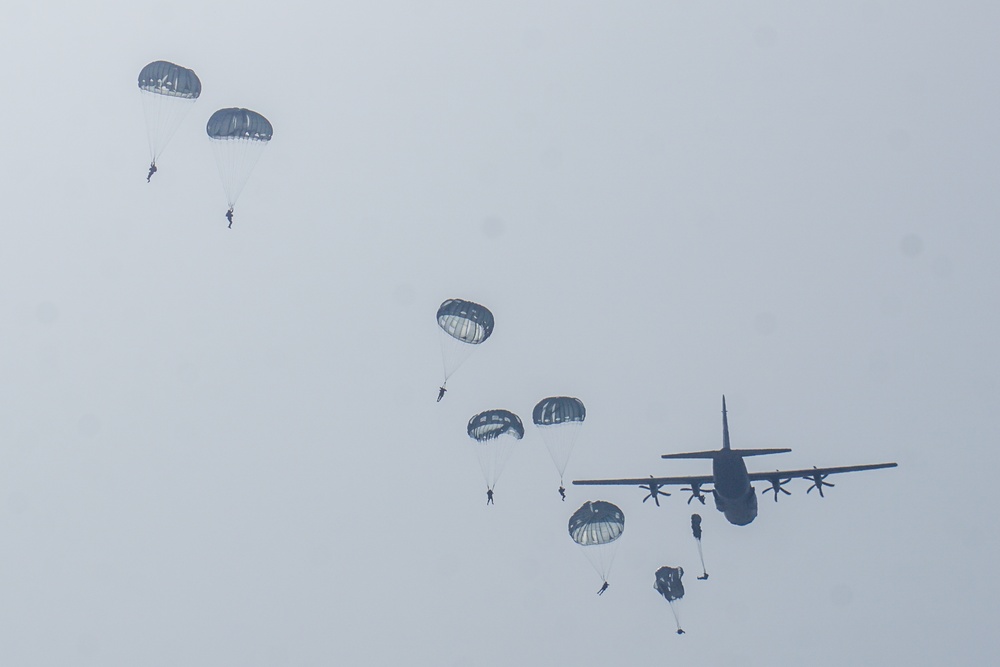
166 78
596 522
492 424
465 321
668 583
486 428
559 419
167 91
558 410
464 325
238 138
243 124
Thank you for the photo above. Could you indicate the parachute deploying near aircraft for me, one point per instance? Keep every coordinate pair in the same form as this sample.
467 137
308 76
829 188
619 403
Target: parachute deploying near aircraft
559 419
596 527
696 531
239 136
464 325
167 92
495 432
668 584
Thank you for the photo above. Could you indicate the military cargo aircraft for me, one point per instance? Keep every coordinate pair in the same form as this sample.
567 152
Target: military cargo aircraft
732 490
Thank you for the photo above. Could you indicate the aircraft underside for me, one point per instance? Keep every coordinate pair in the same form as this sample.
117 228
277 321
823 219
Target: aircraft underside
739 511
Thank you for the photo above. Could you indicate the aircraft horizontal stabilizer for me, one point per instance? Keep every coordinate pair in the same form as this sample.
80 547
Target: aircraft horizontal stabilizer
692 455
759 452
716 452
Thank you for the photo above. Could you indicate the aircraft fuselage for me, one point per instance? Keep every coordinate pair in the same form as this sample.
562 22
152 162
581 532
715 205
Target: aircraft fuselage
734 495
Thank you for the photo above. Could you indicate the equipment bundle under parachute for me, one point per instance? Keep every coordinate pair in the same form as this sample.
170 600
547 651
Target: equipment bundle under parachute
464 325
239 136
668 584
495 432
559 419
167 92
596 527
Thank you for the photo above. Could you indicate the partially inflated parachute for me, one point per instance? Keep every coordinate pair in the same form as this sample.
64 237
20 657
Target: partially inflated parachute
495 432
696 531
559 419
464 325
238 136
596 527
668 584
167 92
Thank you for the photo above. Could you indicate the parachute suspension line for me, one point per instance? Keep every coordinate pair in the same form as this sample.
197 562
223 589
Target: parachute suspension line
454 353
601 558
493 457
677 619
444 364
236 159
164 115
560 441
704 572
151 110
608 560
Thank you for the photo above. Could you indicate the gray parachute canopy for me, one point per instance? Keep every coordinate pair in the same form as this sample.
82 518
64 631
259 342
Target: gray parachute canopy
558 410
668 583
239 124
493 423
165 78
596 522
465 321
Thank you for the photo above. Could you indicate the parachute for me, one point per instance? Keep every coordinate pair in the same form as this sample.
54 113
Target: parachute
464 325
668 584
696 531
238 136
596 527
559 419
167 92
495 432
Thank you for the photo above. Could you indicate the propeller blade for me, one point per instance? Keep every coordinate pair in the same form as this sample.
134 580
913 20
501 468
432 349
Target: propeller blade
818 483
696 492
778 484
654 493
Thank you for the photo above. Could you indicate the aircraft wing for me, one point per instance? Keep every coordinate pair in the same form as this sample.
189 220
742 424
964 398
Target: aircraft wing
640 481
754 476
809 473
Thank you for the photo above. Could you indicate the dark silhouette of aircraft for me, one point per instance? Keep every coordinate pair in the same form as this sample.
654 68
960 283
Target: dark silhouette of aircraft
733 491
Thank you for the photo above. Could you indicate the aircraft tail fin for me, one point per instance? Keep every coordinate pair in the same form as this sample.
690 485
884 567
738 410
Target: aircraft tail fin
725 425
726 449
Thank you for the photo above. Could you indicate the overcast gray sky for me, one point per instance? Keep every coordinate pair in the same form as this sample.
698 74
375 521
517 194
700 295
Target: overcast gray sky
221 447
